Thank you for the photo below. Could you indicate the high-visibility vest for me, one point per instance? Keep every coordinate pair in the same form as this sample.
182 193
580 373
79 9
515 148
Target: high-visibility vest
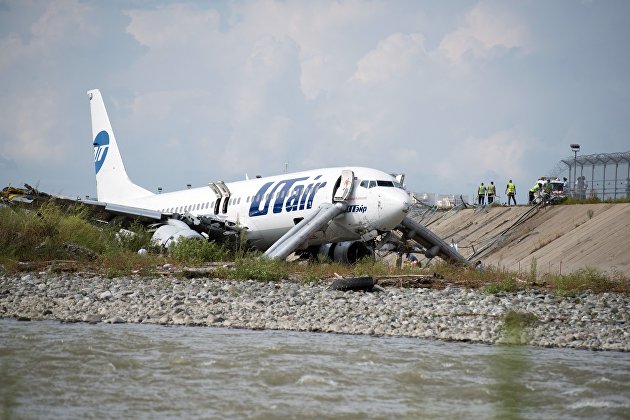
491 189
535 188
511 188
482 190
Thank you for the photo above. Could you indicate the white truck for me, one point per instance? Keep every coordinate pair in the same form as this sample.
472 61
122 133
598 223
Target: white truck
550 190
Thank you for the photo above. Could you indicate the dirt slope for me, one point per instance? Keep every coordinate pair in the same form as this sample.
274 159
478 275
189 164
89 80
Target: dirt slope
560 239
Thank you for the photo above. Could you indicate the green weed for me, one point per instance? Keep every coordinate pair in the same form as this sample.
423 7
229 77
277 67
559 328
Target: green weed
507 284
262 269
533 269
594 200
587 279
514 325
196 252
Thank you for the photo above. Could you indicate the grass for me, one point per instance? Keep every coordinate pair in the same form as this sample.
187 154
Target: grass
50 234
65 240
488 277
493 280
587 279
593 200
196 252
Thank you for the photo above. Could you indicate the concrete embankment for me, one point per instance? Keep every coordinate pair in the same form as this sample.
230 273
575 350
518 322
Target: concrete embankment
587 321
556 239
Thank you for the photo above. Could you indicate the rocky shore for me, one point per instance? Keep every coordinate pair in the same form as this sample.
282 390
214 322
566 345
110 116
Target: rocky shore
587 321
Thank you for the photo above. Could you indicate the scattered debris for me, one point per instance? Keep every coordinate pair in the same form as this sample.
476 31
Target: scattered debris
353 283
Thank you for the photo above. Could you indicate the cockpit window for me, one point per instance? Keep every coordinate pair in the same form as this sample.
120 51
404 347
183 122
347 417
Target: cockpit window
380 183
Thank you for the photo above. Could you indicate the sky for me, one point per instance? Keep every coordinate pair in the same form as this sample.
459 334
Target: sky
450 93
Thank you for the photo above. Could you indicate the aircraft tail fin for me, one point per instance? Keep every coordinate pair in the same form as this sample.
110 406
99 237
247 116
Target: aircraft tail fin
112 183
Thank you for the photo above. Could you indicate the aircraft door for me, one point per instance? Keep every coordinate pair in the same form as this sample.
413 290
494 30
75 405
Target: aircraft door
218 195
226 201
225 192
222 192
345 187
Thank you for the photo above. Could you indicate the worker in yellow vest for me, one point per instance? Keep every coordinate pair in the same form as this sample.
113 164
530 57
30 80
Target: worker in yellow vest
532 192
481 193
510 190
492 191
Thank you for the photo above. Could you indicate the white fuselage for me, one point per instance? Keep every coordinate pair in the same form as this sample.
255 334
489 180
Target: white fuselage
268 207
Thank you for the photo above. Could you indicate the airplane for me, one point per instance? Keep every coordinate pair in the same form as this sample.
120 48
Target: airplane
332 211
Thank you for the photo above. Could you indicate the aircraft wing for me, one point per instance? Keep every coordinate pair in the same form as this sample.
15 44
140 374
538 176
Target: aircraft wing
167 226
29 197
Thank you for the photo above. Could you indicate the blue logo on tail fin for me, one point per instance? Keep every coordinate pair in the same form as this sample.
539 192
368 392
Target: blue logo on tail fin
101 146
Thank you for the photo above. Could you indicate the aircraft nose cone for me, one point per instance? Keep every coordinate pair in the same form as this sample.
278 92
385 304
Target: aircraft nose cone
395 205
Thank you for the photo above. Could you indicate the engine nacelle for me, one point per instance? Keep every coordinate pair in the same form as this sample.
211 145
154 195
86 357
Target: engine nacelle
348 252
172 231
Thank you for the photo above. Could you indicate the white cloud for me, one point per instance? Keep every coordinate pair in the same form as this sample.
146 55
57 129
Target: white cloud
31 120
484 29
61 18
52 29
173 26
326 34
509 153
392 57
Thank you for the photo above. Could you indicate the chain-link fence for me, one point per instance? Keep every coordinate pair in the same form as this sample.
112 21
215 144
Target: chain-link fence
603 175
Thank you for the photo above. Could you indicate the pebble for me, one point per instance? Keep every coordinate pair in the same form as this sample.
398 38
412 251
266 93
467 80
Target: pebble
588 321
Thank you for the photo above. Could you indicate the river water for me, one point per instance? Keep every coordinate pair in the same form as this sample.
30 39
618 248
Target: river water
54 370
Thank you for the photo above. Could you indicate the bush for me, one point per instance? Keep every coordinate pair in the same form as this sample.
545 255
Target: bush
263 269
507 284
195 251
44 234
583 279
123 262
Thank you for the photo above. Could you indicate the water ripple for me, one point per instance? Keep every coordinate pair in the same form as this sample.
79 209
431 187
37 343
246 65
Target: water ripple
50 369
